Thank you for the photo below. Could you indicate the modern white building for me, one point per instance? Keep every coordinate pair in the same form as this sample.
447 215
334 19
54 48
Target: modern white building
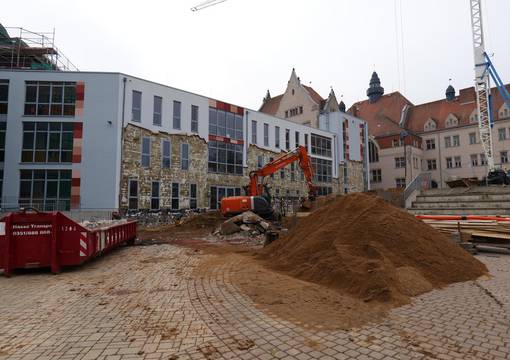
94 141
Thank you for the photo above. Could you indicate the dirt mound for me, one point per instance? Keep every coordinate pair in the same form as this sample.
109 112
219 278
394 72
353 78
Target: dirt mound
364 246
208 220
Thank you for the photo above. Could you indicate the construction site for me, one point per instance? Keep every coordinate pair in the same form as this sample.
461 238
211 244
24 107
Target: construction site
230 233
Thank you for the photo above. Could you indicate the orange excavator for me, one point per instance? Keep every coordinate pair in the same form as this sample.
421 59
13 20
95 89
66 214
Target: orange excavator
258 198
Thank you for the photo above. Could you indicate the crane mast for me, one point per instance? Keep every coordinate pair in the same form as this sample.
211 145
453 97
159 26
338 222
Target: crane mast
482 83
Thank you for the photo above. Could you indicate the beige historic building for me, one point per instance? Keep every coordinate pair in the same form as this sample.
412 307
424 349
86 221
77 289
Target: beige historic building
440 137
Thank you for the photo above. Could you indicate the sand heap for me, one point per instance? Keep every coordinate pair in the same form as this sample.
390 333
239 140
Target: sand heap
364 246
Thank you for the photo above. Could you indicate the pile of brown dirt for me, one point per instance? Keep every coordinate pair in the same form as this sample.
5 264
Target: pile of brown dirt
207 220
373 251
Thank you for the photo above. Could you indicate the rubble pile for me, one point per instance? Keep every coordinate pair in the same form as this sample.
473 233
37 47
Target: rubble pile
247 224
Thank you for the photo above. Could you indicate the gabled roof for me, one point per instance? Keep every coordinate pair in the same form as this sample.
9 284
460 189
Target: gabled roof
383 116
271 106
314 95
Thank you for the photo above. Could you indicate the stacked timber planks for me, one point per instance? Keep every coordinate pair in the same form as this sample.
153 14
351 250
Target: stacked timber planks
487 230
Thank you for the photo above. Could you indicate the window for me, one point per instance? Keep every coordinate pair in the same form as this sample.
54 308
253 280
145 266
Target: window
503 156
272 174
260 161
184 156
4 96
430 144
175 196
502 134
397 142
373 152
415 162
155 195
400 162
282 173
156 116
266 134
45 98
431 164
296 138
430 125
192 196
321 145
133 194
472 138
136 106
300 109
458 162
456 140
453 162
3 128
286 114
177 115
219 192
1 184
194 118
254 132
45 189
47 142
292 172
474 160
225 157
483 159
146 152
166 161
376 176
322 169
277 137
287 139
306 141
400 183
447 141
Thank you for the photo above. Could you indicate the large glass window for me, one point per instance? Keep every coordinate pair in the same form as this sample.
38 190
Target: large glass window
194 118
156 116
373 152
155 195
146 152
192 196
254 132
175 196
47 142
3 128
266 134
225 157
4 96
322 169
184 156
277 137
287 139
45 189
296 138
177 115
321 145
133 194
166 161
50 98
136 106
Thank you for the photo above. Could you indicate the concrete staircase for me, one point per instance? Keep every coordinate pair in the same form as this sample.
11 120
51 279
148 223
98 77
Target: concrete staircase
483 200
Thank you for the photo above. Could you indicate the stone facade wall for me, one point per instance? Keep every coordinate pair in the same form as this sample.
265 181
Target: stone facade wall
198 174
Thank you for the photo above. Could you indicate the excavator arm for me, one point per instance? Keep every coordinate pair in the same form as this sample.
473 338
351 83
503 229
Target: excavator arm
299 154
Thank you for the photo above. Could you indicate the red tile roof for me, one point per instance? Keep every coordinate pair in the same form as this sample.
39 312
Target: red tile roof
271 106
314 95
382 116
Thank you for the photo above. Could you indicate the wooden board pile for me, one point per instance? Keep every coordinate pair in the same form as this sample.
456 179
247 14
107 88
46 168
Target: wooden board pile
493 233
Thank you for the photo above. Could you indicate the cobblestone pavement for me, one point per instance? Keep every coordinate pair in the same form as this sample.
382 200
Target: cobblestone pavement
146 303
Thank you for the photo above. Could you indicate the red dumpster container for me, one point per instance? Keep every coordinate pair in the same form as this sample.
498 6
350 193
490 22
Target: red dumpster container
32 239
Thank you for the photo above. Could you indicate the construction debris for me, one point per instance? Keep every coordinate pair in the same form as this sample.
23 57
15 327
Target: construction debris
369 249
249 223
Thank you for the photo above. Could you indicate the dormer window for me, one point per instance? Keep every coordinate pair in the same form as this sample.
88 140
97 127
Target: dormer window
292 91
451 121
504 112
430 125
473 118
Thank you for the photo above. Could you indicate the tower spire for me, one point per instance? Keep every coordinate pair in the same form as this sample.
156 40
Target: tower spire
375 90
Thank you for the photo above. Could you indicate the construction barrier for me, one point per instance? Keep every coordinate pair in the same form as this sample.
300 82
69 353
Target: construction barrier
33 239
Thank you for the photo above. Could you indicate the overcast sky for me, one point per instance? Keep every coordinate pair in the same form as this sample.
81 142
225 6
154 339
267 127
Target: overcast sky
237 50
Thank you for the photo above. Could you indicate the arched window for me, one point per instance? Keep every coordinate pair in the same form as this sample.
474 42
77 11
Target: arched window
373 152
451 121
430 125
